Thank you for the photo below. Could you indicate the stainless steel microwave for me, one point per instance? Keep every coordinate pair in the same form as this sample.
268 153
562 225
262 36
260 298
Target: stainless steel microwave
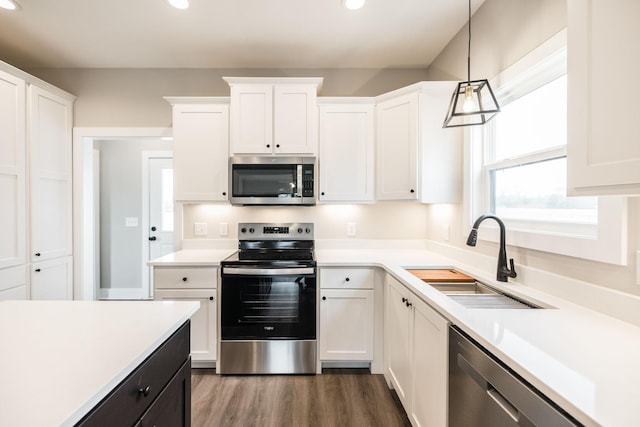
272 180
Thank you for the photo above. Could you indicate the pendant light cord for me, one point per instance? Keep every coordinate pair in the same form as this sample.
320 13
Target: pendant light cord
469 46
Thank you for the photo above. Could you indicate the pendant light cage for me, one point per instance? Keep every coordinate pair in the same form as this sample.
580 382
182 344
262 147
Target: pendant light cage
473 101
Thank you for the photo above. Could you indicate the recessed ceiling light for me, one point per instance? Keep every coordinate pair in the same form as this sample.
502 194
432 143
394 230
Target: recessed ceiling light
178 4
353 4
9 5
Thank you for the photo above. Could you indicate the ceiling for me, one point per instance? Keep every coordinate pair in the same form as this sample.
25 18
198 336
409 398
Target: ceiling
228 33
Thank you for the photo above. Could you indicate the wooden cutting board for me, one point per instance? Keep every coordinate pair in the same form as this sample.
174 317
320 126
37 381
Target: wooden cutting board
441 276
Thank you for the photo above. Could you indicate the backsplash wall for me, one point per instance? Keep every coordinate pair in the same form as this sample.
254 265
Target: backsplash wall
392 220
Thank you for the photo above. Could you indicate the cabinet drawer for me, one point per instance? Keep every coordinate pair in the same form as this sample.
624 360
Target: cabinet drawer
347 278
129 400
185 278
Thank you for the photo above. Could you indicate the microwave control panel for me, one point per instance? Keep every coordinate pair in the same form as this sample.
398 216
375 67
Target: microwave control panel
307 180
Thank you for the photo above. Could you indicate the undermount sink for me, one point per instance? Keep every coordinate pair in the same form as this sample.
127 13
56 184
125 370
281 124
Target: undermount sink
479 295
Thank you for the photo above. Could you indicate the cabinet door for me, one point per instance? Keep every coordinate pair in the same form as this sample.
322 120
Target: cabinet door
201 152
603 154
50 150
203 322
346 324
295 119
346 152
397 156
398 339
172 408
52 280
13 283
430 367
251 119
12 170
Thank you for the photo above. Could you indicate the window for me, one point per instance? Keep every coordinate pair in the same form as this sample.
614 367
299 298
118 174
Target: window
518 165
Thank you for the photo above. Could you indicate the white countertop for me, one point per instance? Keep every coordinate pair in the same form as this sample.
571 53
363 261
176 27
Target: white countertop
193 257
58 359
585 361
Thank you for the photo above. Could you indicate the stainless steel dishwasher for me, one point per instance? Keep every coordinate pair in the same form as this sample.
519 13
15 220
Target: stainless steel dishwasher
484 392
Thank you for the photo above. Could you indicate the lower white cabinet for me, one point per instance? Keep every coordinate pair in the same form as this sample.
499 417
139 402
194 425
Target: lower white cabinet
193 284
347 314
13 283
52 279
416 344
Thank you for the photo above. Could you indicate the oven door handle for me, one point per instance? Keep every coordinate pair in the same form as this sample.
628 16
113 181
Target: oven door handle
267 271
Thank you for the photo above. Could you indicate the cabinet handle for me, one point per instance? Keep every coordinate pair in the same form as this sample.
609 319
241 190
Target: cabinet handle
277 145
322 194
210 298
347 279
404 299
268 146
408 304
37 270
184 279
37 254
413 191
324 298
224 193
145 391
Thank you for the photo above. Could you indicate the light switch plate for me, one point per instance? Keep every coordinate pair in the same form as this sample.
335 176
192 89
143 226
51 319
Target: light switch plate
351 229
131 222
200 229
224 229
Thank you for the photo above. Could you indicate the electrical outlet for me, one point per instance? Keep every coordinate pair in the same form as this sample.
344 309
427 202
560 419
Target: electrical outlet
224 229
351 229
200 229
131 221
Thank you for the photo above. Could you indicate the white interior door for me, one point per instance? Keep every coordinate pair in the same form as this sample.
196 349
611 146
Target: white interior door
159 221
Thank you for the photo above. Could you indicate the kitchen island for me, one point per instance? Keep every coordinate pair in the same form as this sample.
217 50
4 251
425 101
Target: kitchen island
60 359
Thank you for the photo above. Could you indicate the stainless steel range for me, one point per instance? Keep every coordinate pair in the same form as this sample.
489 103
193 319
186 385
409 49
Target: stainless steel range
268 301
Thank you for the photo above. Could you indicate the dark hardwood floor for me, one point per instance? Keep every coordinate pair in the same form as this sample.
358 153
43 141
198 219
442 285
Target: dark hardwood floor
338 397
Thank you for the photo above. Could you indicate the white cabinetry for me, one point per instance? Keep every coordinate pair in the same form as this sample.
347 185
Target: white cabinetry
416 345
603 154
273 115
347 314
200 149
416 158
193 284
346 164
35 187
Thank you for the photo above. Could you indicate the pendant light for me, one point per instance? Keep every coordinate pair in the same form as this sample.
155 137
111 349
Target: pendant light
473 101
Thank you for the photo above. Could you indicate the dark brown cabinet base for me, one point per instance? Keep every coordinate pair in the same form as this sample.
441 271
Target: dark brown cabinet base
158 392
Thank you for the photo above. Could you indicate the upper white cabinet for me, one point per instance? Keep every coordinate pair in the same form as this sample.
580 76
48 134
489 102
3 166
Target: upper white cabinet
50 123
273 115
346 161
603 153
200 148
12 170
416 158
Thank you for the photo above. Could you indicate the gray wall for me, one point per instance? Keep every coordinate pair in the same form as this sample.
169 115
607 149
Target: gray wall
133 97
121 197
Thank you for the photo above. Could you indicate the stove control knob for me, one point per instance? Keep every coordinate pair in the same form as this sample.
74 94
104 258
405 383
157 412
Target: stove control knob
307 230
251 230
243 230
299 230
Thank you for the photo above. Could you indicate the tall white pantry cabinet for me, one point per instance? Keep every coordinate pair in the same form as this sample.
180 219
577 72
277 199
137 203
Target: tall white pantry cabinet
35 188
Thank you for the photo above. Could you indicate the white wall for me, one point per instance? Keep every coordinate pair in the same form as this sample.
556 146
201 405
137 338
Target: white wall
403 220
503 31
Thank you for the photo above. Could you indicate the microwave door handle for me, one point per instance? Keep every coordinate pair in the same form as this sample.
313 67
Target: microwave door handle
298 192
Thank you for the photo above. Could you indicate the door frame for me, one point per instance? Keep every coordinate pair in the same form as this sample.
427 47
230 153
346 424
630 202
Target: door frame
146 156
84 287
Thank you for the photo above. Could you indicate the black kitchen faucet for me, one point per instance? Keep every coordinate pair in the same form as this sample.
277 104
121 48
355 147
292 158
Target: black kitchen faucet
504 272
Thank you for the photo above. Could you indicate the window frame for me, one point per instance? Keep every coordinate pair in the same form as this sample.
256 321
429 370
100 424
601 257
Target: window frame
604 242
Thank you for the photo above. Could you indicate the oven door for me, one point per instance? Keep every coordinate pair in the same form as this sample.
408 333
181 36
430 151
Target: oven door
268 303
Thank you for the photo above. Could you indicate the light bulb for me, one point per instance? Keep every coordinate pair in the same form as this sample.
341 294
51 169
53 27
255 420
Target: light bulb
353 4
469 103
179 4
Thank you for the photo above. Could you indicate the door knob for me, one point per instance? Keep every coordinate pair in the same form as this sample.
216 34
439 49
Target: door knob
153 238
